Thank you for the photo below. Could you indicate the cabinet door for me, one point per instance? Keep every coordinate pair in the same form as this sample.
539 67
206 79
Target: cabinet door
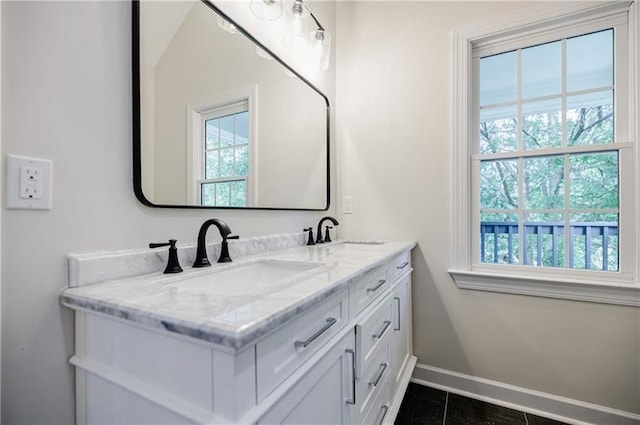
402 335
321 395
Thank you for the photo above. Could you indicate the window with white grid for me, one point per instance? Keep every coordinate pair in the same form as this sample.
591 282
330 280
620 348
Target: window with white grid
545 151
225 156
547 161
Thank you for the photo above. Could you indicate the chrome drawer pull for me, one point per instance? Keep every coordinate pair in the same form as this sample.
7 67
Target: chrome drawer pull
304 344
375 288
387 323
399 317
383 367
385 409
353 376
403 265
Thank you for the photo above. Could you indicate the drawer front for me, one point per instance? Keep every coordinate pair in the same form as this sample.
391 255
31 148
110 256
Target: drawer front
377 411
372 333
400 264
278 355
373 378
370 287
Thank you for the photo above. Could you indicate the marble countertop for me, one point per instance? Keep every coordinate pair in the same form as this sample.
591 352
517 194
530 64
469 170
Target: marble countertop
228 317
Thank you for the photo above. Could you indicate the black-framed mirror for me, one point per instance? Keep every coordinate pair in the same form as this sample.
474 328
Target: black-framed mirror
219 121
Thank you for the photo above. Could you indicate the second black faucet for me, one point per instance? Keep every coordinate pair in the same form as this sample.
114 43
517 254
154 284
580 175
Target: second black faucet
319 234
202 260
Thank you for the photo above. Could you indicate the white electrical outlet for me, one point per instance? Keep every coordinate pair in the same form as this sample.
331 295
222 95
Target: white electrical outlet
347 205
29 183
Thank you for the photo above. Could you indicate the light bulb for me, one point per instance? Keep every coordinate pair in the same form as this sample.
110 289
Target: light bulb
299 9
295 37
320 48
268 10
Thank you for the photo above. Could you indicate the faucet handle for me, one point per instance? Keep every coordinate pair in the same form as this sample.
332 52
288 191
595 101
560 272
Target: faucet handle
310 241
172 242
233 237
173 265
327 237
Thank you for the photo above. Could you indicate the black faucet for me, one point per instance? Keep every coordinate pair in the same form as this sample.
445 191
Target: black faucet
322 220
201 252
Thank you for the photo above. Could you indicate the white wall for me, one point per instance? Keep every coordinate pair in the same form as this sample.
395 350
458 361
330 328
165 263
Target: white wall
66 78
393 135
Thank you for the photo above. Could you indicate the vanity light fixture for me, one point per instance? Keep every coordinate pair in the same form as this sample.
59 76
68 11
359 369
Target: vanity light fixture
269 10
314 46
295 37
320 42
320 48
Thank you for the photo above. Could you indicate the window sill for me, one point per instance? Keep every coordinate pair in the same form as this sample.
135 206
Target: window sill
569 289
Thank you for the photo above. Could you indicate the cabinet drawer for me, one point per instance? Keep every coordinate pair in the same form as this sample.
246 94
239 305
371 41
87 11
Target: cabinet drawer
374 377
284 351
373 332
400 264
376 413
369 287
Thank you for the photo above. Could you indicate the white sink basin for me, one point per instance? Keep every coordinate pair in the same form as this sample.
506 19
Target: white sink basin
357 245
251 278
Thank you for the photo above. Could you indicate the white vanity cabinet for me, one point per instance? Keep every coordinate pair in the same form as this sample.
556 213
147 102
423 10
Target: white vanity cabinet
345 360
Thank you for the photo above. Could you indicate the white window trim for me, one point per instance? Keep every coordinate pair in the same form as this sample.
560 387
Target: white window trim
195 112
555 283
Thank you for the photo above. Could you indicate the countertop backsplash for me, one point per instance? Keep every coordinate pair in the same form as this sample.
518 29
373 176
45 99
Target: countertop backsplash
90 268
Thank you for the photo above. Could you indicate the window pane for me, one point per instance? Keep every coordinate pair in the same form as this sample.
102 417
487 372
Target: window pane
226 131
211 165
590 118
222 194
544 182
208 194
498 129
498 78
594 181
242 128
590 61
542 70
544 240
594 242
499 238
542 124
212 135
499 185
547 218
242 161
238 193
226 162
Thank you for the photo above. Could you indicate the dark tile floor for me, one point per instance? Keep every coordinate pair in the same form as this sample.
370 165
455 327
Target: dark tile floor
427 406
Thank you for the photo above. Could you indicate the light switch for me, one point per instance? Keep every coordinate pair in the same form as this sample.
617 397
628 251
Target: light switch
347 205
29 183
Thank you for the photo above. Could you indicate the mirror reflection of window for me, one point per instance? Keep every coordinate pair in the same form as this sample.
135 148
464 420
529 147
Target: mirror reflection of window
224 178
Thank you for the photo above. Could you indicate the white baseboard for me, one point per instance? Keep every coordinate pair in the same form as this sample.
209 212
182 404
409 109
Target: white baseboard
535 402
